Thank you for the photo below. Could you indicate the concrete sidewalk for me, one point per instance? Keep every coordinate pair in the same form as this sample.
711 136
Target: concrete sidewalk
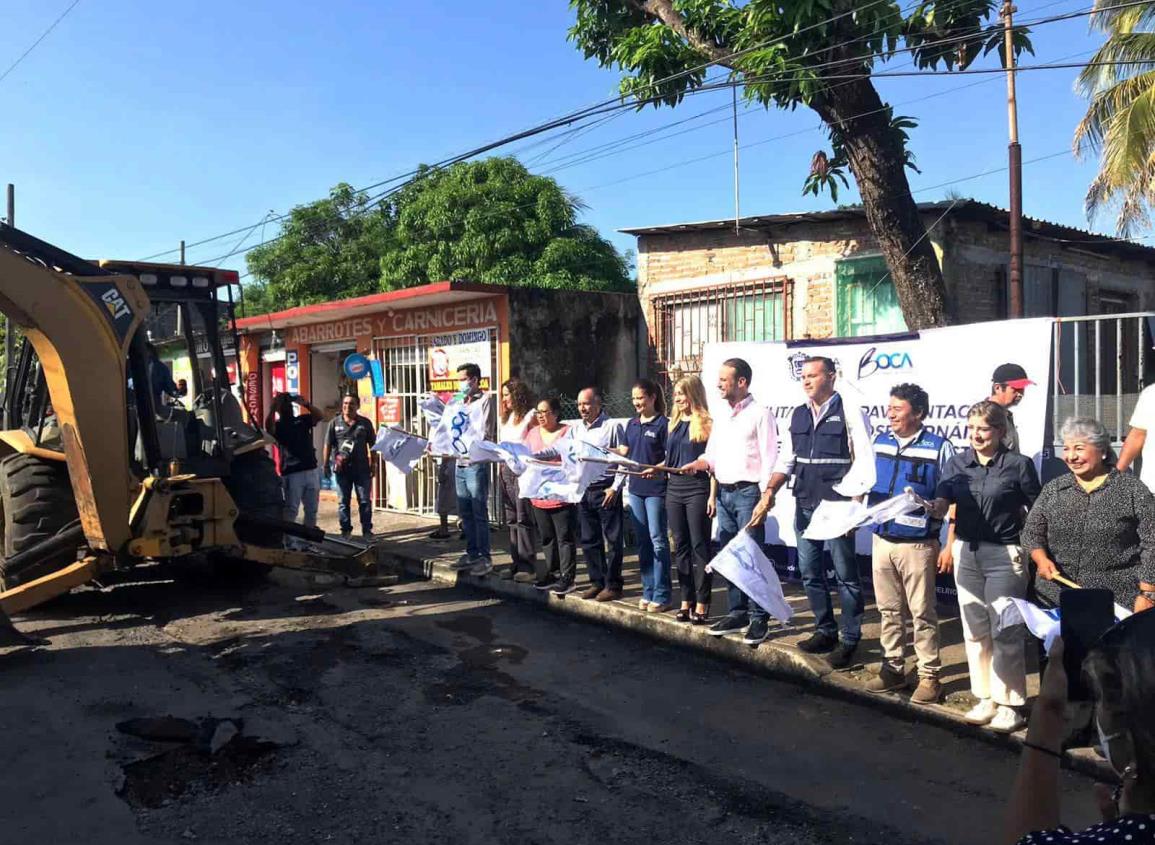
406 542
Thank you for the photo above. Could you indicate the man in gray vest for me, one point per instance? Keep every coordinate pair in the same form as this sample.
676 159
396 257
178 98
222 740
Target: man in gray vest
826 453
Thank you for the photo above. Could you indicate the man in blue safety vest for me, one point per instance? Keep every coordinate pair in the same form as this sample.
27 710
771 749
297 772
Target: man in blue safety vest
826 451
904 551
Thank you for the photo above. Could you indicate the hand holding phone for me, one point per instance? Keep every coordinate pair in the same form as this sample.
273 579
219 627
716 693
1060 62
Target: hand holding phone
1084 615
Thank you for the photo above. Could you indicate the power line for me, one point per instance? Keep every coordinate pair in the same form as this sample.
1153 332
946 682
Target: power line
36 43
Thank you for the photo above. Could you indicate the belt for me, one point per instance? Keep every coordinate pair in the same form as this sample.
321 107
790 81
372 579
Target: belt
926 539
738 485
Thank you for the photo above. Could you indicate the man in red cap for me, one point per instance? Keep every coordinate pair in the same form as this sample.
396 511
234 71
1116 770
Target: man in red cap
1008 384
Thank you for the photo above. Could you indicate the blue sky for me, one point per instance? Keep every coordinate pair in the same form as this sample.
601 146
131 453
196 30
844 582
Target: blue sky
135 124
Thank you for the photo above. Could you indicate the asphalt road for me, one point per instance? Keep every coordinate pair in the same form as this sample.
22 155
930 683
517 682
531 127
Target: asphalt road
416 713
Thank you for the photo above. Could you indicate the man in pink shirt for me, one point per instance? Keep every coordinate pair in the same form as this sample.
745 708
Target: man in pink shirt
741 454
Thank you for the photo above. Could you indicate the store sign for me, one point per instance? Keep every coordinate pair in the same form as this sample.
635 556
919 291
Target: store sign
389 410
292 372
448 352
391 324
253 395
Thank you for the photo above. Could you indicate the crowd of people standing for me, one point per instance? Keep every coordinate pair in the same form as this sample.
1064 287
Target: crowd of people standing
1007 536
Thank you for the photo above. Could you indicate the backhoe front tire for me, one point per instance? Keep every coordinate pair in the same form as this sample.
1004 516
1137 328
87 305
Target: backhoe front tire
36 502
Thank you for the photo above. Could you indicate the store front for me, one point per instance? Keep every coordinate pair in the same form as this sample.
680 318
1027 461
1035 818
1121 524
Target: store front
417 336
415 339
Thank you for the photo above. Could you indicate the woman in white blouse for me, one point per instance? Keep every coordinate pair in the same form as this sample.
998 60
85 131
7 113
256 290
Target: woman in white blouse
515 420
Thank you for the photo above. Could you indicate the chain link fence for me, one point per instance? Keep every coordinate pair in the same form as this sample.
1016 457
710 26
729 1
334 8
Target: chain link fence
615 405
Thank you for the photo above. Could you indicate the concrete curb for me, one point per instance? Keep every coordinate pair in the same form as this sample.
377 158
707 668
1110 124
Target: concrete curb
776 660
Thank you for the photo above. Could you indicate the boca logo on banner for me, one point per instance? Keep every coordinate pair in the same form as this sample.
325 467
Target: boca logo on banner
952 364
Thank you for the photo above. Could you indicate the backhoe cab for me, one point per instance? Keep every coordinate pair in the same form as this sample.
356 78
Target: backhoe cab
105 459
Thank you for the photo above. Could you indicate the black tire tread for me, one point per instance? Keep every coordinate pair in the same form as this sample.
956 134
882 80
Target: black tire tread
37 502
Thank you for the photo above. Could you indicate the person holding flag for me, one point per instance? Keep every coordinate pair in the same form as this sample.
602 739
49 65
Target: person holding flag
827 451
741 454
517 417
646 497
556 519
904 550
472 479
992 488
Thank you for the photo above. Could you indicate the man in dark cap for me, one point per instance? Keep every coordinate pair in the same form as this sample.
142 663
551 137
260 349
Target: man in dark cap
1008 384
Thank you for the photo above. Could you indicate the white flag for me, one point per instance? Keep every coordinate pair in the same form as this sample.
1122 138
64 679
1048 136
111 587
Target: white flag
1044 624
512 454
400 449
836 519
432 407
549 482
460 425
743 563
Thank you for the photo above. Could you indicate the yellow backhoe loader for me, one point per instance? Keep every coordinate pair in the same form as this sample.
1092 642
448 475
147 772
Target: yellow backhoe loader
105 459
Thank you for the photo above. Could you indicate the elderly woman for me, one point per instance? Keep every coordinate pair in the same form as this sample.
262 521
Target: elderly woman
991 489
1120 671
1096 526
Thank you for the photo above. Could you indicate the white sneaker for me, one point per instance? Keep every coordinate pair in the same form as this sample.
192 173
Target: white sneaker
1006 720
464 562
982 712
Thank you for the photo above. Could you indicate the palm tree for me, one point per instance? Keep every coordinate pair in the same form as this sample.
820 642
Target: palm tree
1120 122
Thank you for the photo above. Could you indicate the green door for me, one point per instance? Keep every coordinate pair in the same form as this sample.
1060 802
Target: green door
867 301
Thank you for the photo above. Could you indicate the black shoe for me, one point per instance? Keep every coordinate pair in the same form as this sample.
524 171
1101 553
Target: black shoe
727 625
756 633
564 588
544 583
818 643
843 656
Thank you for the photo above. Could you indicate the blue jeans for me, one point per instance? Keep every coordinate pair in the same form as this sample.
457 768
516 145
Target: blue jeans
361 480
813 571
649 515
473 507
735 507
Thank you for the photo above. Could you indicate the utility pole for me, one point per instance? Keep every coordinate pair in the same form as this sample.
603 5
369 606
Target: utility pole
737 208
1015 160
182 252
9 343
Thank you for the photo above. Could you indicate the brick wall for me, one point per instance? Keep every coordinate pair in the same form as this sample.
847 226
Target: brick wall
972 253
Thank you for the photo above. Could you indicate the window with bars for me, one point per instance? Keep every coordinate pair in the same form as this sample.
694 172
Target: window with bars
684 322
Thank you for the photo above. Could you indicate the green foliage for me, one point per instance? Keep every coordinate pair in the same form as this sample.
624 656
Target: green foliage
326 249
784 53
493 221
485 221
1120 122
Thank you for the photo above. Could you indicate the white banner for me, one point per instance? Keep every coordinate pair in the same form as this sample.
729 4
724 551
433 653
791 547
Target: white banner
460 425
953 365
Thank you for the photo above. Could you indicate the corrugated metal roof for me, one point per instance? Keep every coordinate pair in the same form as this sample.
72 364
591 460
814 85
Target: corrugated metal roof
969 209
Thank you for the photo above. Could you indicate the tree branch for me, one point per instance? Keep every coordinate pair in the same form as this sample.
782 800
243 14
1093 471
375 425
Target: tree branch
663 11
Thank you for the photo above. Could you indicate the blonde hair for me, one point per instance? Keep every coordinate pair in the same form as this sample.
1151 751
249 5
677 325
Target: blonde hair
700 421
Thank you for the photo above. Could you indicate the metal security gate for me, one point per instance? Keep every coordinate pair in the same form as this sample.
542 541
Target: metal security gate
1100 365
684 322
405 362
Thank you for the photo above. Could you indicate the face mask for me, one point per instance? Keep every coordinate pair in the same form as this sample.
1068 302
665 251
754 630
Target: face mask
1105 744
464 386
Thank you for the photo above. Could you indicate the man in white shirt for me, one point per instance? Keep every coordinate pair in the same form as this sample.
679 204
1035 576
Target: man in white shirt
826 451
741 454
1137 442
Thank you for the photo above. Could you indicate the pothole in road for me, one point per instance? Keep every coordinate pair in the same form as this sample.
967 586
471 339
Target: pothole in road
204 755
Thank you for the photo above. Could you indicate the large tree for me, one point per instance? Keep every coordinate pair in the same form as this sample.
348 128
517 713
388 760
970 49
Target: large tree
325 250
494 221
484 221
787 53
1120 120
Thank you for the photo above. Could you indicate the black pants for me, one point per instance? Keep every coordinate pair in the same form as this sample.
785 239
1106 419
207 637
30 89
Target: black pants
601 526
557 528
519 518
690 537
